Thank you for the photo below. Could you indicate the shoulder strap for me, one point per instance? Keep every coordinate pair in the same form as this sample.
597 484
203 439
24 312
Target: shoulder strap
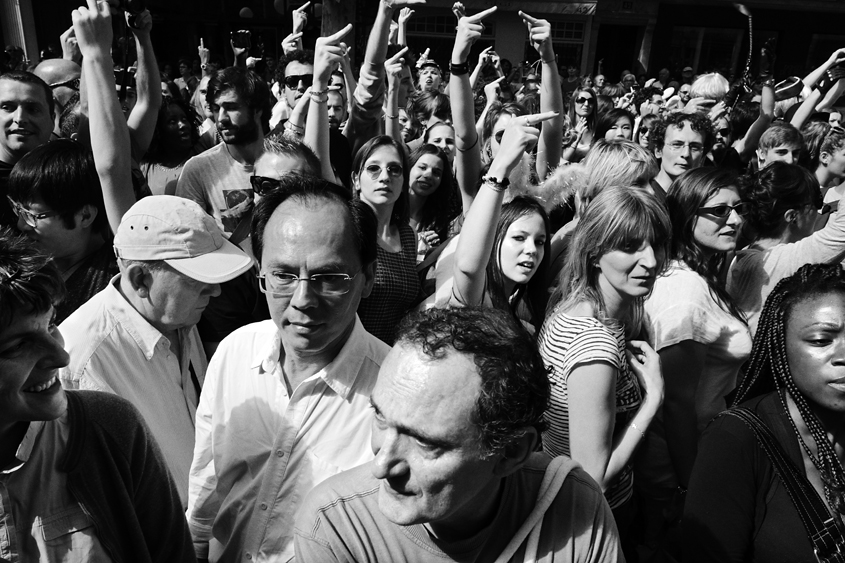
243 228
824 530
556 473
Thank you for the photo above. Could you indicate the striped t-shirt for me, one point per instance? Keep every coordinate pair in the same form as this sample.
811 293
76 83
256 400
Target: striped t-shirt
566 342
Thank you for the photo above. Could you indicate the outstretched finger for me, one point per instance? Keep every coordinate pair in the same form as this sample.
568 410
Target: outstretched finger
398 55
529 19
497 80
481 15
536 118
339 35
202 43
295 36
303 7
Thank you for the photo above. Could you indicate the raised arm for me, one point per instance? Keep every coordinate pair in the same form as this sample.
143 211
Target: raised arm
142 120
835 58
479 66
551 98
404 15
328 52
748 144
109 133
394 67
476 241
468 157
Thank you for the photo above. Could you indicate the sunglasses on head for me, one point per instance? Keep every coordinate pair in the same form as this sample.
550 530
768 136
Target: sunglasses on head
73 84
293 81
262 185
583 100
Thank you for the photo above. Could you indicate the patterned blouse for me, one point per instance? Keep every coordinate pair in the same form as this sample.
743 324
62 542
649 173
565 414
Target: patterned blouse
565 343
395 290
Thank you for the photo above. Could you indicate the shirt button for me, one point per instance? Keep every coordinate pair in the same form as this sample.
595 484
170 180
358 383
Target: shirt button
280 453
263 506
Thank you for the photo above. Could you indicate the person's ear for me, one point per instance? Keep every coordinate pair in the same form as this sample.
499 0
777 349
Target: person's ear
139 279
86 215
658 152
369 273
517 453
824 158
761 158
790 216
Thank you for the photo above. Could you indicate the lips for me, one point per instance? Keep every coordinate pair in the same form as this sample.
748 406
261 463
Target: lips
41 387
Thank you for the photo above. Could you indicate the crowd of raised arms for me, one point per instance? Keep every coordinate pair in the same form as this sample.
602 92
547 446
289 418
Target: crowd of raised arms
399 312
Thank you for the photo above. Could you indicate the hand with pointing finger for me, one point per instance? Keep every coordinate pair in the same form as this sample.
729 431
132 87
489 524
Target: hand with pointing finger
493 90
519 137
540 36
393 68
328 53
423 58
93 29
404 15
203 53
469 30
300 17
291 43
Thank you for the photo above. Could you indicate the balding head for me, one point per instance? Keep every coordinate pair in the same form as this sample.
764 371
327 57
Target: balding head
61 75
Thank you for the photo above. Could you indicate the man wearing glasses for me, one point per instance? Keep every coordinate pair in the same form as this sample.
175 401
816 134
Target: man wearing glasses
680 142
63 77
286 401
26 122
218 179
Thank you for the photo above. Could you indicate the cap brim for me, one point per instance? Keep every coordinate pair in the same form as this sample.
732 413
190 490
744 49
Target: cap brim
224 264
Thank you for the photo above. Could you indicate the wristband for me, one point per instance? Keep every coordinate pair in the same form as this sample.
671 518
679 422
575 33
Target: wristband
388 116
204 66
458 69
550 62
495 184
319 96
293 128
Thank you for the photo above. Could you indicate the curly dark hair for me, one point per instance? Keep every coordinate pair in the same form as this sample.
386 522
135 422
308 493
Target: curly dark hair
697 122
157 151
299 56
29 282
249 86
768 368
515 388
776 189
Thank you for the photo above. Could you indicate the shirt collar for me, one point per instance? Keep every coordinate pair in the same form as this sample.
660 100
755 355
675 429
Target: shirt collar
340 374
145 335
24 451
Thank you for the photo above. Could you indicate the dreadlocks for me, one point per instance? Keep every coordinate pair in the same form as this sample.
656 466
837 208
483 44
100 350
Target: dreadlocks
768 368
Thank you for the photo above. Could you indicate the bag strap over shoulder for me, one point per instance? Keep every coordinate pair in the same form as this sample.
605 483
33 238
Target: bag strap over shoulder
825 531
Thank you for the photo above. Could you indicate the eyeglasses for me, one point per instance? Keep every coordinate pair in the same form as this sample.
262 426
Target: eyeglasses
374 170
262 185
678 146
724 132
29 217
73 84
583 100
283 284
724 211
684 92
293 81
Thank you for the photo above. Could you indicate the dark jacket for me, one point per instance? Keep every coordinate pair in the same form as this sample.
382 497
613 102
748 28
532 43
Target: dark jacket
117 472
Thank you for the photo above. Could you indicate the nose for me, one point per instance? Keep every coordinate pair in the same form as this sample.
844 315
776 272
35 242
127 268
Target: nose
221 114
734 218
56 356
300 86
388 460
789 159
213 289
303 296
648 258
383 174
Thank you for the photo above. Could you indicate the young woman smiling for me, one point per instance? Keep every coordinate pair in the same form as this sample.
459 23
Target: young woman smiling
433 204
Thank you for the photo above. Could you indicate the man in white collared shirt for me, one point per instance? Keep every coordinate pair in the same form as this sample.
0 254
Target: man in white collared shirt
286 401
137 338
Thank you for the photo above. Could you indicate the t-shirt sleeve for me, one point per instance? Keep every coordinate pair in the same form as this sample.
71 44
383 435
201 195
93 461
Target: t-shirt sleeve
593 344
718 523
682 311
189 185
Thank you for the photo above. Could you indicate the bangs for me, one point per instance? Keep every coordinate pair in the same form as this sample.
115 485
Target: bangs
641 222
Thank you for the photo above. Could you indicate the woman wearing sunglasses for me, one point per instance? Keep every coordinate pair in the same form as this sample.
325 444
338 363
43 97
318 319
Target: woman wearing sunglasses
580 124
380 179
785 201
700 335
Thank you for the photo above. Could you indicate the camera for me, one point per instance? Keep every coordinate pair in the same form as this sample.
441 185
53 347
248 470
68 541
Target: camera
241 39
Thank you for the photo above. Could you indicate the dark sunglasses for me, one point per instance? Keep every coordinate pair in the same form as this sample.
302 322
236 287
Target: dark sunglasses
583 100
724 211
73 84
293 81
262 185
724 132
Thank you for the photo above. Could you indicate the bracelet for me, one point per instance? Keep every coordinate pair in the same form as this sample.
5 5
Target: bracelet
319 96
551 62
293 128
458 69
635 427
495 184
388 116
204 66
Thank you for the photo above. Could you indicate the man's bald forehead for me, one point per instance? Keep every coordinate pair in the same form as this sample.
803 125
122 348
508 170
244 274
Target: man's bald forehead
56 71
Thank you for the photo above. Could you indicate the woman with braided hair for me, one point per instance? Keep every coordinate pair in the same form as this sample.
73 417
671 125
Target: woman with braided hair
737 507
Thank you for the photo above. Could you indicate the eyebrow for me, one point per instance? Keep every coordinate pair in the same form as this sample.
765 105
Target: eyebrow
438 442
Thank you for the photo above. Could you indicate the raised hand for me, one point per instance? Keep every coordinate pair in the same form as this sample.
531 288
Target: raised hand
493 90
540 35
469 30
459 9
300 17
70 47
393 68
203 53
484 56
291 42
328 53
519 137
404 15
92 27
423 58
140 24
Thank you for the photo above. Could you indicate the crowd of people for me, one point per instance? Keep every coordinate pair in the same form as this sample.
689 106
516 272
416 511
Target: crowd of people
306 309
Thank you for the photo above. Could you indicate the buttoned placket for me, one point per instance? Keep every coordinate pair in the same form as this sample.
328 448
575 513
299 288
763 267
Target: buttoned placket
182 363
8 534
276 471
